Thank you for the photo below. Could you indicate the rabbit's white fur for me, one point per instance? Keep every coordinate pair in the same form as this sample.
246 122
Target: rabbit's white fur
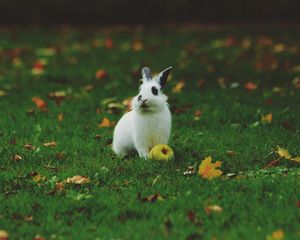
149 121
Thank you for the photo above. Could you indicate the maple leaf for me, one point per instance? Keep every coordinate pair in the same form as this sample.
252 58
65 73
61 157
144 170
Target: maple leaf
276 235
208 170
267 118
40 103
50 144
105 123
250 86
79 180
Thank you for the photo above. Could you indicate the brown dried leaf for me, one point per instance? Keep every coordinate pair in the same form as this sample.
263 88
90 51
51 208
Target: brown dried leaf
79 180
50 144
17 158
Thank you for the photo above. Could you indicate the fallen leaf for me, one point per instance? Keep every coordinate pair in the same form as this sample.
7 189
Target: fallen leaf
28 218
108 43
60 117
276 235
105 123
39 237
50 144
285 154
152 198
38 67
137 46
17 158
250 86
2 93
178 87
222 82
267 118
3 235
197 114
40 103
200 83
29 147
88 87
39 178
58 96
231 153
79 180
208 170
213 208
101 74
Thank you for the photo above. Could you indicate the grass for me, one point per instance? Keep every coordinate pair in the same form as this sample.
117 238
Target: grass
113 205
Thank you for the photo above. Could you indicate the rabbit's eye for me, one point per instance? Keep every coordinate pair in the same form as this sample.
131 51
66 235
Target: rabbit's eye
154 90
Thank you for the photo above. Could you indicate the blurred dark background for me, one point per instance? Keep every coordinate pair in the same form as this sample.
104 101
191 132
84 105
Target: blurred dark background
103 12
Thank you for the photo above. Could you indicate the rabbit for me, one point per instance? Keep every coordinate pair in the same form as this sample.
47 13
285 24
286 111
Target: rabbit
148 123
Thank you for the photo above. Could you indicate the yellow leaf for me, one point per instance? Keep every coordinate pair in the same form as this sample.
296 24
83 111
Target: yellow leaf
39 178
267 118
178 87
208 170
284 153
296 159
105 123
276 235
78 180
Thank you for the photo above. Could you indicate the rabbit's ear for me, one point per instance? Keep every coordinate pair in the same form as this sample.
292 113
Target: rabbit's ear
163 76
146 73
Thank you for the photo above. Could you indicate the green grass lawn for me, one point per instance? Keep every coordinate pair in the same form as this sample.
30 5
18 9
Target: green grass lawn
120 201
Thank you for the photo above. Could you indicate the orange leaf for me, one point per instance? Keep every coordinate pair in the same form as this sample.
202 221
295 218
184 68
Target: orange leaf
178 87
137 46
40 103
276 235
208 170
267 118
108 42
250 86
105 123
101 74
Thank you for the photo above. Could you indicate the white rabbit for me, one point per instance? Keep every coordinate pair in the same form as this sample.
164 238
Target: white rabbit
149 121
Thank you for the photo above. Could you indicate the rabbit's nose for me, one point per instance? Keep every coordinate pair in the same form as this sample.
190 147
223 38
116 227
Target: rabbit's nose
140 98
